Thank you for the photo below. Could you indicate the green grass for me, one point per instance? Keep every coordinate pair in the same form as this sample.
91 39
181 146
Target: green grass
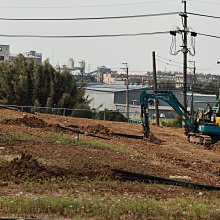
110 208
64 138
168 122
107 146
17 137
52 137
59 138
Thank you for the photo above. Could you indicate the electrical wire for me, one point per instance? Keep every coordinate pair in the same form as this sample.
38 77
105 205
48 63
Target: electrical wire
212 67
208 35
83 36
173 50
203 15
206 2
193 43
85 6
169 60
168 63
173 64
89 18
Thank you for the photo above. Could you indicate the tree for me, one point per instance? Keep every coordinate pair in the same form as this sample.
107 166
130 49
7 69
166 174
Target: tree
211 88
25 82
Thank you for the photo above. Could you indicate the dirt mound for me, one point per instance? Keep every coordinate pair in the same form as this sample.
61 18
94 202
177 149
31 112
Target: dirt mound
98 129
216 147
27 168
32 122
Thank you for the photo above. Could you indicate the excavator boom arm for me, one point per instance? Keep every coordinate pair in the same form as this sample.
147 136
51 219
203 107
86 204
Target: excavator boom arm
169 98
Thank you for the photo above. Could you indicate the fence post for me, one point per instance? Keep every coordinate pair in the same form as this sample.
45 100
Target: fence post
104 115
64 112
78 137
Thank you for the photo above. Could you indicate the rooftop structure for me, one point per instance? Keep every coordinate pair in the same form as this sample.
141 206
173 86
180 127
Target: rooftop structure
32 54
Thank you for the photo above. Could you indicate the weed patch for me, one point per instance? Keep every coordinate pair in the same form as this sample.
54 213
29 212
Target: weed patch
108 208
106 146
17 137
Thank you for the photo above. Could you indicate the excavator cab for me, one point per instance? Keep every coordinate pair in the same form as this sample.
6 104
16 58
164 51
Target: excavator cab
207 115
217 116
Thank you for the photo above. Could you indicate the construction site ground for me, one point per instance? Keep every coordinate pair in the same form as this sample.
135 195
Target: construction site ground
41 155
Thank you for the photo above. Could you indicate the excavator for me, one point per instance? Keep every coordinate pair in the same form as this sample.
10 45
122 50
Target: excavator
203 128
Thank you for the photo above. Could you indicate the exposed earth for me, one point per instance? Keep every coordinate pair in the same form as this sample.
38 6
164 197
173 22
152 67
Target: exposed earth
26 156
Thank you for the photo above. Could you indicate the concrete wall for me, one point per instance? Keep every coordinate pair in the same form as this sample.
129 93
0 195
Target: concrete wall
134 97
99 98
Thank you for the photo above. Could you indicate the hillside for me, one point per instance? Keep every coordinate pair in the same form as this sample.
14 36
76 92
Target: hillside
41 157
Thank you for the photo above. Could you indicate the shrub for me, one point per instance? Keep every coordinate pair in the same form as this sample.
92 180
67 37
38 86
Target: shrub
177 122
84 113
111 116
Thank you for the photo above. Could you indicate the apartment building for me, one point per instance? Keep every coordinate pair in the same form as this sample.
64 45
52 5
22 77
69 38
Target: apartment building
4 52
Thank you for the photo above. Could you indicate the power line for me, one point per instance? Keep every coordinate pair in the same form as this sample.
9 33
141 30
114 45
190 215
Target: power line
133 70
168 59
85 6
203 15
208 35
209 67
88 18
83 36
168 63
206 2
172 64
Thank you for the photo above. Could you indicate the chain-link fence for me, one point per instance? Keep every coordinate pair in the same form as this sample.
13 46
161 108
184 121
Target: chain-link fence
110 115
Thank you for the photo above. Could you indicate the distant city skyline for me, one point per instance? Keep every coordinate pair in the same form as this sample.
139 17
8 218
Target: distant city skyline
109 51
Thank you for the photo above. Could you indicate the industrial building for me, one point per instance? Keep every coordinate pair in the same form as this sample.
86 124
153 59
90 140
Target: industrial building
113 97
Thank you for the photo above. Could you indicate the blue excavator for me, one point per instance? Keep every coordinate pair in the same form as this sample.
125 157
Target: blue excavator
203 128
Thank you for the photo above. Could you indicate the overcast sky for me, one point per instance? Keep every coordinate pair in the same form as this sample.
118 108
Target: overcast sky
111 52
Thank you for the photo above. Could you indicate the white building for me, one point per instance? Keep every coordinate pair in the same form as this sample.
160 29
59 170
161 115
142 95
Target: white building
179 80
113 97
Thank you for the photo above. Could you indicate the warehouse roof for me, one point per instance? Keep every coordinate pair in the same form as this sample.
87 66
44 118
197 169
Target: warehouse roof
113 88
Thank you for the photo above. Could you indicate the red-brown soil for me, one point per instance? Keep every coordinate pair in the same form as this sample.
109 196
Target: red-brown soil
167 154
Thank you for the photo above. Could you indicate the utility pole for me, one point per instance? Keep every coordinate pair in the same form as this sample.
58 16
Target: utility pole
155 88
185 51
218 62
127 90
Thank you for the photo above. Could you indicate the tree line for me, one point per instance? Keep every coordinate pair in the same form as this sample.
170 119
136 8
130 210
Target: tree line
26 82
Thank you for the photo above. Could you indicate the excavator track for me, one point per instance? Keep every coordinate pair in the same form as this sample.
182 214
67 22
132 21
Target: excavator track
200 139
207 141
